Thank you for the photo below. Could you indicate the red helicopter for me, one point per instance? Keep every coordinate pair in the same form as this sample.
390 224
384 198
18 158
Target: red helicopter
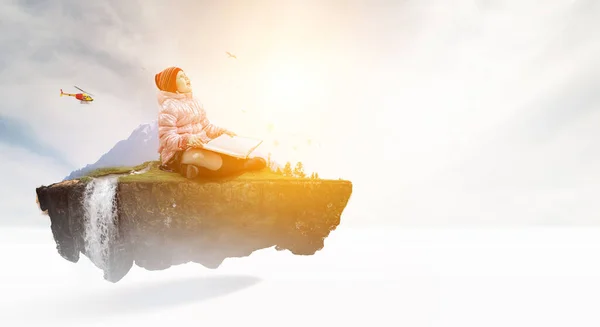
84 97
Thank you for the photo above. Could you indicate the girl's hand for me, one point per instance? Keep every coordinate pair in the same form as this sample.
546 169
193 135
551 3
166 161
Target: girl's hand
195 141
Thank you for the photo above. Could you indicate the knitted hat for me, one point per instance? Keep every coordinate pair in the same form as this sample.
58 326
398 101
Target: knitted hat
166 80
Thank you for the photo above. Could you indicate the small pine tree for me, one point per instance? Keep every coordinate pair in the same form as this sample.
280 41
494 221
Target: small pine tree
316 175
279 172
287 170
299 170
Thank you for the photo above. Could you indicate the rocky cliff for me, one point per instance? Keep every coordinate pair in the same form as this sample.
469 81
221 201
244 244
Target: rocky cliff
156 219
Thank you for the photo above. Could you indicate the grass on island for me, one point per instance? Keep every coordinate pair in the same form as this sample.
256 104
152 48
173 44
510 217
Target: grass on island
154 174
117 170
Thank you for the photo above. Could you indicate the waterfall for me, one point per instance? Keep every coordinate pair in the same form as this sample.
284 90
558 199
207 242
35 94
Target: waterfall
99 220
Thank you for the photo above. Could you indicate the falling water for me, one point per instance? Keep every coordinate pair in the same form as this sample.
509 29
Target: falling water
100 212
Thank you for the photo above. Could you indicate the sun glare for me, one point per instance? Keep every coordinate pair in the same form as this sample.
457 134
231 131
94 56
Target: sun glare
290 86
285 84
288 93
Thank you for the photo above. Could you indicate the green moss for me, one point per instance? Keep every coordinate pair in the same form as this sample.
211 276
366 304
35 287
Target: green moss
117 170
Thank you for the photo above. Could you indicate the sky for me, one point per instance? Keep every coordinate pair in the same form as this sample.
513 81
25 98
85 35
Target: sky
440 113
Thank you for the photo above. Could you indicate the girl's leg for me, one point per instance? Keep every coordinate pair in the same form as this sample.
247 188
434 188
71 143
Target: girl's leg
232 165
199 162
194 160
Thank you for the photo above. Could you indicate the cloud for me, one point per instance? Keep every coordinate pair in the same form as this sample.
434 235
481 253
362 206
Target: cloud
473 74
21 172
19 134
52 46
487 116
419 95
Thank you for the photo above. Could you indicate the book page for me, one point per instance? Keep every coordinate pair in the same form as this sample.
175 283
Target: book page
237 146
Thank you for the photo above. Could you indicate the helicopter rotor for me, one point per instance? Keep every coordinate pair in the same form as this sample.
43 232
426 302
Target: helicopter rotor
83 91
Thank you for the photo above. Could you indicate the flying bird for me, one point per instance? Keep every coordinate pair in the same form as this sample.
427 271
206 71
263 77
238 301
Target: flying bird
231 55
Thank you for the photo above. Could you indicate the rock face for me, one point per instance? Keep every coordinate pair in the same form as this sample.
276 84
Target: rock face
163 223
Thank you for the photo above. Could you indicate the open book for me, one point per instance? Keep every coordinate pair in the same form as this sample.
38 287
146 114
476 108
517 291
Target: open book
237 146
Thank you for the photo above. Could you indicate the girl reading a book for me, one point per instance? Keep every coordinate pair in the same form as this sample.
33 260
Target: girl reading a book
183 128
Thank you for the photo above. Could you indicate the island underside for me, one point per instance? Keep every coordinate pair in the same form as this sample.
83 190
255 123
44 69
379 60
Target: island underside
159 224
